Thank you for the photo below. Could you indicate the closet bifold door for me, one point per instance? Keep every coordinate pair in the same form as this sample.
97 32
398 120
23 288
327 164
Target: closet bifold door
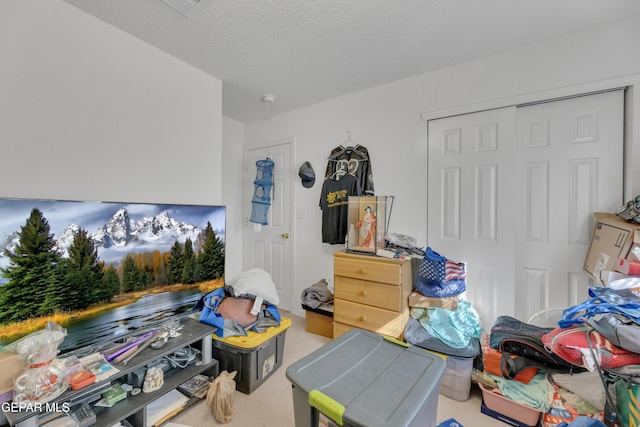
471 190
512 192
571 167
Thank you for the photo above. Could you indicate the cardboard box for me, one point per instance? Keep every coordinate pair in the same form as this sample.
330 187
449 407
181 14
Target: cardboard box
10 369
320 324
319 320
612 238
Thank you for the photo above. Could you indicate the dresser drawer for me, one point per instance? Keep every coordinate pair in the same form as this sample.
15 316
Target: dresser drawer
357 268
373 319
370 293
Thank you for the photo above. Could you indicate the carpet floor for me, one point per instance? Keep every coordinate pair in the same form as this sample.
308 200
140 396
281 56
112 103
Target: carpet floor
271 404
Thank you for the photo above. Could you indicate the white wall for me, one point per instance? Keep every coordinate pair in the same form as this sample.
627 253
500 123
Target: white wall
387 120
88 112
232 174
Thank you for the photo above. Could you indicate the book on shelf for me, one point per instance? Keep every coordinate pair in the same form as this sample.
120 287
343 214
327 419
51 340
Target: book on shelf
196 386
165 407
98 365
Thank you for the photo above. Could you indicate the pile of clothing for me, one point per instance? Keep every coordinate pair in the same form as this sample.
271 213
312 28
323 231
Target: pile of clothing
317 294
441 319
586 366
246 302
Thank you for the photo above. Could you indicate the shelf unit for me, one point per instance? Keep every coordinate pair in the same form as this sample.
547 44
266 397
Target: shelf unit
132 408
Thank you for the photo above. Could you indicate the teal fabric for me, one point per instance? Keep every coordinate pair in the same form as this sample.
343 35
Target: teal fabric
453 327
535 394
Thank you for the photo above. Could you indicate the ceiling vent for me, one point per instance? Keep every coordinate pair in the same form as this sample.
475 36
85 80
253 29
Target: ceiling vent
187 7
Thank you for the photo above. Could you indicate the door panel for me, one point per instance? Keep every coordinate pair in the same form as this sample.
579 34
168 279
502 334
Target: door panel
512 192
571 166
470 203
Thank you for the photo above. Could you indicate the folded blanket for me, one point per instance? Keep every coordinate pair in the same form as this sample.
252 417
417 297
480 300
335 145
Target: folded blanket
317 294
535 394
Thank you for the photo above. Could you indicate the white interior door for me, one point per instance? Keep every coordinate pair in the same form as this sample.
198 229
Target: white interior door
470 200
512 192
571 166
269 246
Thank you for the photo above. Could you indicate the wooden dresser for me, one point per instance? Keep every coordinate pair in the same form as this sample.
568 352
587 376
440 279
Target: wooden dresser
370 293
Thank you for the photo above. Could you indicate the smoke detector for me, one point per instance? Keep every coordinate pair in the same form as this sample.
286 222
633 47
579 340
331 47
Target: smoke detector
187 7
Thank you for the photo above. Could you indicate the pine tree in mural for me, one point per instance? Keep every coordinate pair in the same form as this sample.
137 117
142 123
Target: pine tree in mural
110 285
210 258
189 259
131 275
87 268
175 263
32 268
57 293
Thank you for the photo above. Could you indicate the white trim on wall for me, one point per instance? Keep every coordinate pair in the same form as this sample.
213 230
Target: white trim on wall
632 121
527 98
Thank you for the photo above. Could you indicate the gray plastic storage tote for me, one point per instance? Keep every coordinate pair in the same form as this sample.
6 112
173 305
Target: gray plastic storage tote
363 379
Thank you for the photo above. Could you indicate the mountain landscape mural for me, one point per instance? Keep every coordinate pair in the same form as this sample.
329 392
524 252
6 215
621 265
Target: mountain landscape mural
115 228
70 257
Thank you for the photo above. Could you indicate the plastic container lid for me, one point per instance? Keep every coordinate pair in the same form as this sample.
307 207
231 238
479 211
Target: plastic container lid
254 339
363 378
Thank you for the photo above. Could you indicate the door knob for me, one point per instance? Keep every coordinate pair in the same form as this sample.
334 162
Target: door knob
285 235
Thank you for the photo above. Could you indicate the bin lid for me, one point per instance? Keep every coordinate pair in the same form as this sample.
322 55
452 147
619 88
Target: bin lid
253 339
363 378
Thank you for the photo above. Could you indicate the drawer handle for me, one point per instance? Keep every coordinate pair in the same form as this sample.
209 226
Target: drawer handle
364 293
363 271
363 318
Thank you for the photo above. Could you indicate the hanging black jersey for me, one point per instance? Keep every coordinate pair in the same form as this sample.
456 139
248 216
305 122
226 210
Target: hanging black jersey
352 161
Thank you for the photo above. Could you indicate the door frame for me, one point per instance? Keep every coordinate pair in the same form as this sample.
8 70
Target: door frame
631 142
246 203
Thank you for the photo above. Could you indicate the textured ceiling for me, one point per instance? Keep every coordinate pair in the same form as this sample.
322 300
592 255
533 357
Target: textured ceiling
307 51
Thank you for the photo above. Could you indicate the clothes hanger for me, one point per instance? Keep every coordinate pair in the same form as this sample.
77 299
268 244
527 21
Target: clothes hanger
351 147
